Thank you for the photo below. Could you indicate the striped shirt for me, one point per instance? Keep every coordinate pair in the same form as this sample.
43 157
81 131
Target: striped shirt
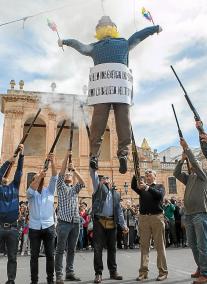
68 209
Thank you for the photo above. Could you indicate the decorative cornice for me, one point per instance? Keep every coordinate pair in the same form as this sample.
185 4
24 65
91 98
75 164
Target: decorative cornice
52 115
14 113
24 98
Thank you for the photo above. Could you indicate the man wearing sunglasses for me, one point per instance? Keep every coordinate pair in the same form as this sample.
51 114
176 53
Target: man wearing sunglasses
151 223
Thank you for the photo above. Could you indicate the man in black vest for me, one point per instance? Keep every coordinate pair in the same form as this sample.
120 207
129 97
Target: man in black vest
107 212
9 210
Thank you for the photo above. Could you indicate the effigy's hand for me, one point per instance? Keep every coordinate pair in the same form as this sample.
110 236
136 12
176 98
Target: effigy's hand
160 30
60 42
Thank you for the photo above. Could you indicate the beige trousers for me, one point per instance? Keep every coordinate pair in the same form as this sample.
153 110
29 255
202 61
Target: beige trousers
99 123
152 226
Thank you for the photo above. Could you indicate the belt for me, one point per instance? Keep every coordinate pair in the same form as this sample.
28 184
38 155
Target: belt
8 225
104 218
149 214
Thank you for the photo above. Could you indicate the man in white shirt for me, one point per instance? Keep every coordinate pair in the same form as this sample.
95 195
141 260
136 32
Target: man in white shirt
41 224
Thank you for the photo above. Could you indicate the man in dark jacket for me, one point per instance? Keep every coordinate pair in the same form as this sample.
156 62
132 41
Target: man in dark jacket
151 223
195 203
9 210
107 212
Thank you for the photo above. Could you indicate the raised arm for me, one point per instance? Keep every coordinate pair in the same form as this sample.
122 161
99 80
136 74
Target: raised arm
139 36
84 49
181 176
95 178
53 179
18 172
35 184
157 192
77 175
134 185
196 167
64 163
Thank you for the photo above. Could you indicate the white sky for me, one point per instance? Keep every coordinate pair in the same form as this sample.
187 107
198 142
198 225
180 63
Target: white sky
32 54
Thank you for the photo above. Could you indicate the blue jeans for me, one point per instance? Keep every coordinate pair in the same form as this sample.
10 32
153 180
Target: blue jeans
67 236
11 237
196 230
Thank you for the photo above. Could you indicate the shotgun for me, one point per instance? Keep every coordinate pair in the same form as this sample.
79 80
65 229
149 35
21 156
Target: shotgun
8 170
196 115
181 136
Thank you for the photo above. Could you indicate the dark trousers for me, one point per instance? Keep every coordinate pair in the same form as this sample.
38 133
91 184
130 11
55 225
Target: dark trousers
129 238
104 237
11 238
48 237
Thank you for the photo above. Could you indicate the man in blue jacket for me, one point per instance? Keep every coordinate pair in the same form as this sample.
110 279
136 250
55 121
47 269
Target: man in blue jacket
9 210
107 213
111 79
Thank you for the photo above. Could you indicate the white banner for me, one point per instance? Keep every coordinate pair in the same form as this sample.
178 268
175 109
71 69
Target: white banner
110 83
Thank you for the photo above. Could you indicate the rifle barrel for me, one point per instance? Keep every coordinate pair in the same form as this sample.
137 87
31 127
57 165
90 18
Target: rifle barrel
176 119
46 163
196 115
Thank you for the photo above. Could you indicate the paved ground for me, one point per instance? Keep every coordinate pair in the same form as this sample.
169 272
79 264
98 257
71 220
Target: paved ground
180 264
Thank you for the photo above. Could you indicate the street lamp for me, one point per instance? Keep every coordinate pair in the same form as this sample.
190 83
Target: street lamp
126 187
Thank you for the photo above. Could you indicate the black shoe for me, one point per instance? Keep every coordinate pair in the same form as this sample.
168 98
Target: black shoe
10 282
115 276
123 164
94 163
98 278
71 277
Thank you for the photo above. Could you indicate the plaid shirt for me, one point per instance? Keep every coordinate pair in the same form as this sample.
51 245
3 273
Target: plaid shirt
68 210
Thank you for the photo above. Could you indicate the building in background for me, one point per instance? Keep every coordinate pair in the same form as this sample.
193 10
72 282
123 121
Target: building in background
19 108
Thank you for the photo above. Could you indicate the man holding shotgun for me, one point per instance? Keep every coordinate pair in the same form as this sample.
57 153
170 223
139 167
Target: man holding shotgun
195 202
9 210
41 224
68 219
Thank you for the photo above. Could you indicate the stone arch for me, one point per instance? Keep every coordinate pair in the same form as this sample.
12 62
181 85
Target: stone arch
35 144
63 142
105 154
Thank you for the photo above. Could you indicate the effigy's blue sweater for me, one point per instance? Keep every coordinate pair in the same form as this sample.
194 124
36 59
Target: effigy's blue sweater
111 50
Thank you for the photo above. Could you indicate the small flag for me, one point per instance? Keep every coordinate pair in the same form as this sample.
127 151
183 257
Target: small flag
147 15
52 25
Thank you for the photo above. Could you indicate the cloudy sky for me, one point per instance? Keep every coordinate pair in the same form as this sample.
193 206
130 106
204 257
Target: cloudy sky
32 54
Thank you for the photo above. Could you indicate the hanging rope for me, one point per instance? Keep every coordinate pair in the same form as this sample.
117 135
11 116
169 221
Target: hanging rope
134 12
102 5
32 16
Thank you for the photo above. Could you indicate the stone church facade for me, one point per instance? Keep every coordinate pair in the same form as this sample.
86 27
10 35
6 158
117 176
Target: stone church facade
19 108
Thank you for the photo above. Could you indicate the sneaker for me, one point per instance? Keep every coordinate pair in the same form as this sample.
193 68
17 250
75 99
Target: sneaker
98 278
114 275
161 277
59 281
94 163
123 164
22 253
201 280
142 276
195 274
28 253
71 277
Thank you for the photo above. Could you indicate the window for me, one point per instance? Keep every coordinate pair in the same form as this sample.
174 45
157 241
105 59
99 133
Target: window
29 178
172 185
35 145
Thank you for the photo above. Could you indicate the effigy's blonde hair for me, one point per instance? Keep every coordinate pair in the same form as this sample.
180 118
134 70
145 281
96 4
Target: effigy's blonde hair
106 31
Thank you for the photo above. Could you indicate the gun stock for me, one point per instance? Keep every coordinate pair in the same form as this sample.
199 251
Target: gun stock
196 115
7 172
135 158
